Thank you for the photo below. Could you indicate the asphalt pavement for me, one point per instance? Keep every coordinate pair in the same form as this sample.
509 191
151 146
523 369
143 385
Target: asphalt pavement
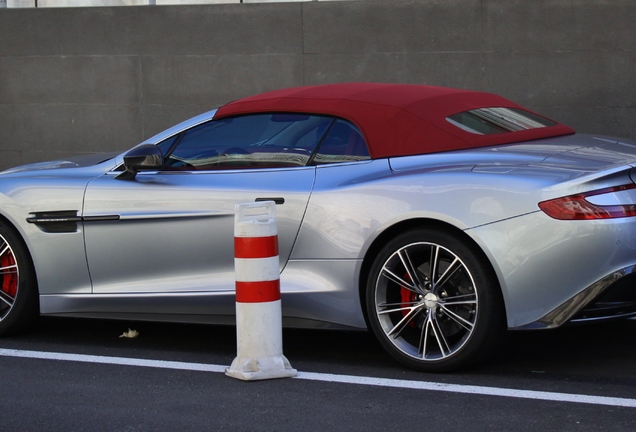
346 382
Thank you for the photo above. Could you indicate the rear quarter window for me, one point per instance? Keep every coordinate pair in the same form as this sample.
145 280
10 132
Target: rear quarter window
488 121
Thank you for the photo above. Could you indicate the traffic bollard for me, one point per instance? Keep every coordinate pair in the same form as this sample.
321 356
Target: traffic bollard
258 306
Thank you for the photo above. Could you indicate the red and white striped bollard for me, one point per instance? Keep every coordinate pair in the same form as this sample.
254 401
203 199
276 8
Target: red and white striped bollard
258 306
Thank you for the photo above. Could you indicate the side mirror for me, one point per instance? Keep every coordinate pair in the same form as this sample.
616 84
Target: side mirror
146 157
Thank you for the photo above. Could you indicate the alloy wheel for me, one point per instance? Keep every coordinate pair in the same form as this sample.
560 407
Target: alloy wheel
9 278
426 301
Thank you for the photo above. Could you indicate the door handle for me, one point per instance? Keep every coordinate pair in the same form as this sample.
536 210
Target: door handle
277 200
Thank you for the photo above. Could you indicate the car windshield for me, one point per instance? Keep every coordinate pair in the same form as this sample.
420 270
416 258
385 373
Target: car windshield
264 141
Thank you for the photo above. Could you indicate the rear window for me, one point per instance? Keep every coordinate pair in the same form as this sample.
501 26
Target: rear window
488 121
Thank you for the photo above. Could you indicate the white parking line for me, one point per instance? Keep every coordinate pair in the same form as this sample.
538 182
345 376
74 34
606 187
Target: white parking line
343 379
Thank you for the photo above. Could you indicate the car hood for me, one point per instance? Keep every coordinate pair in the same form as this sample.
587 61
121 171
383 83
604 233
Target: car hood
72 162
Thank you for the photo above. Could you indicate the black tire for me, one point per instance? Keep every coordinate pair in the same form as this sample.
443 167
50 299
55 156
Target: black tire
435 320
18 286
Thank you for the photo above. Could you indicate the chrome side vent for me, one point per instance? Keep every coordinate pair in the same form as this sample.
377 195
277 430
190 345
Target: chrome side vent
56 221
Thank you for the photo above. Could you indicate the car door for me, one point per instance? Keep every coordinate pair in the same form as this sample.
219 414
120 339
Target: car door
171 230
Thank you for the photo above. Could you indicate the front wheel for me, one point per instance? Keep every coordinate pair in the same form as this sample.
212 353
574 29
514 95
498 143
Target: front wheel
433 302
18 289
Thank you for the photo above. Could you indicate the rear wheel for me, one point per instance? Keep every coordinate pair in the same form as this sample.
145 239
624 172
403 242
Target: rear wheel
432 301
18 290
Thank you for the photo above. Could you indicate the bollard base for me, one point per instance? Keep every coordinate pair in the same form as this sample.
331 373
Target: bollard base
253 369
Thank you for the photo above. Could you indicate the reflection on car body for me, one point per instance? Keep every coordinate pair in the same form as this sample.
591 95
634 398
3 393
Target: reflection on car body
436 217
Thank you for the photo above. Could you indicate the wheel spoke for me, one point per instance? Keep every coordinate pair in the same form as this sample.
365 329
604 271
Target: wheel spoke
458 319
400 326
450 271
424 337
4 248
437 333
433 263
458 298
410 270
462 299
396 307
6 299
10 269
398 280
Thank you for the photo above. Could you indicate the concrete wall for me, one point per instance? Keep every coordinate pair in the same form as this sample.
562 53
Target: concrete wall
76 81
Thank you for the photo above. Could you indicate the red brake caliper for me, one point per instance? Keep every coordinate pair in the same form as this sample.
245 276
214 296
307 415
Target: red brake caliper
408 297
9 277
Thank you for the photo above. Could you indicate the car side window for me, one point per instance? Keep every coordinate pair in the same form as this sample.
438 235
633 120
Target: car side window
343 143
250 141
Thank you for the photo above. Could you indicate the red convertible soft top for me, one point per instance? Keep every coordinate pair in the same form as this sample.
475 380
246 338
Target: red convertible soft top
395 119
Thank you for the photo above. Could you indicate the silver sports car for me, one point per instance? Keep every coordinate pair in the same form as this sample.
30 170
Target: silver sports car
436 217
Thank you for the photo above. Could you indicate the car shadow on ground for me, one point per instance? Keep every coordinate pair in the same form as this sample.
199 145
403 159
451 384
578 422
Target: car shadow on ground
598 350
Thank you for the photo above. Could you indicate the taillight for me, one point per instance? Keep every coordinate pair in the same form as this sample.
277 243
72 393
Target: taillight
577 207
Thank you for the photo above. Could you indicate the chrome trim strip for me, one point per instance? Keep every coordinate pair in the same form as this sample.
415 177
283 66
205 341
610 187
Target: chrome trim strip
73 219
56 216
101 218
167 215
39 220
567 310
52 217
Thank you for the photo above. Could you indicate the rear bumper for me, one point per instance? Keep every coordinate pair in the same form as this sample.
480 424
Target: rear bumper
614 296
552 272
